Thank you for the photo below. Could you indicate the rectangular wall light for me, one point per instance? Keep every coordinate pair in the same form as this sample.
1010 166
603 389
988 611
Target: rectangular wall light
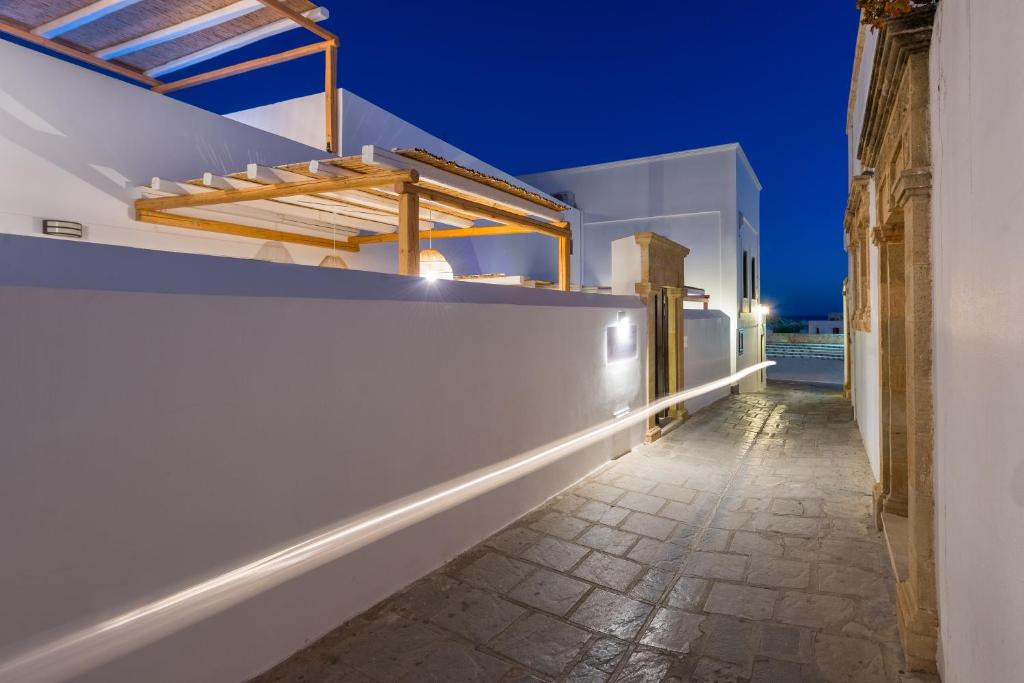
62 228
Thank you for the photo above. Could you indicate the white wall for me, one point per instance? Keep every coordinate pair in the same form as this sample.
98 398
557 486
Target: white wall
706 353
695 198
167 416
977 82
74 145
864 345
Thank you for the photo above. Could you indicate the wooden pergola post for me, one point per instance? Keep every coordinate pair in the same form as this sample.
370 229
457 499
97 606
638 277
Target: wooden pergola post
408 230
331 95
564 255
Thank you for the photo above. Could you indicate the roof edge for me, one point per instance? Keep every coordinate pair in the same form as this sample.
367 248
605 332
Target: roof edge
698 151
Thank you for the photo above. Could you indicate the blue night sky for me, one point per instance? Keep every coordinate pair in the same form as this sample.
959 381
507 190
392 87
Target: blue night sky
530 86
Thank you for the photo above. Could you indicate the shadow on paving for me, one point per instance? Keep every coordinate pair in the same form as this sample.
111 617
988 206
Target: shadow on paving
738 548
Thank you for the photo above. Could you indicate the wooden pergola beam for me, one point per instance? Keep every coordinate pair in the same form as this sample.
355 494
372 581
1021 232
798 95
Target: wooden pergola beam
239 230
444 233
241 68
283 10
312 186
554 229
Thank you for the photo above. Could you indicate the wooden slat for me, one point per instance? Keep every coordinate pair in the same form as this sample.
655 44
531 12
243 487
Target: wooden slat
235 69
239 230
279 190
440 234
189 26
30 37
234 43
491 213
283 10
313 207
447 181
80 17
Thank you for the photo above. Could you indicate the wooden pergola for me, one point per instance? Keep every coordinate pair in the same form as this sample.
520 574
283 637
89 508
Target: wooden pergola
381 196
144 40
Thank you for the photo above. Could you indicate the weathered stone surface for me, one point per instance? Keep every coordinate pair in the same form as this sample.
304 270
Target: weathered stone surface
814 611
598 491
601 513
775 671
541 643
778 573
679 494
645 666
652 585
713 671
715 565
562 526
555 553
604 654
834 578
607 570
785 642
513 541
550 591
613 614
642 502
495 572
649 525
751 543
741 601
852 660
730 640
661 554
610 540
688 593
673 629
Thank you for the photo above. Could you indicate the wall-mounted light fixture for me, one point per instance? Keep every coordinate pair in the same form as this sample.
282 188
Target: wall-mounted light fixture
62 228
621 340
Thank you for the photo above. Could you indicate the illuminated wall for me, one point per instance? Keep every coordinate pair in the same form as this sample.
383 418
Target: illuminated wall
169 416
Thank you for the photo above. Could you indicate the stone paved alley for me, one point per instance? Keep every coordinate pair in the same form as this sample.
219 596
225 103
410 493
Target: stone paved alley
738 548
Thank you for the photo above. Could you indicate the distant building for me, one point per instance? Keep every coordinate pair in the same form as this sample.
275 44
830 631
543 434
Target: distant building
830 326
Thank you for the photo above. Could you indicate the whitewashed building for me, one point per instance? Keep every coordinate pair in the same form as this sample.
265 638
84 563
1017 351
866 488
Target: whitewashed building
705 199
936 315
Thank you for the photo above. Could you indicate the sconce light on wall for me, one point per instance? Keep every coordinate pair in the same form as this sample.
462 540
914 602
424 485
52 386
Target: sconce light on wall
62 228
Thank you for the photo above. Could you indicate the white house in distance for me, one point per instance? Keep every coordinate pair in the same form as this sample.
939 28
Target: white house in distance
705 199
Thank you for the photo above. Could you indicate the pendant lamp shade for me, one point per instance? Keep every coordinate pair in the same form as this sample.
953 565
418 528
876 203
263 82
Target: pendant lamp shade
333 261
434 266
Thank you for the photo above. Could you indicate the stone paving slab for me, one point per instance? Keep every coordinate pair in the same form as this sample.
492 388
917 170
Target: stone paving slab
738 548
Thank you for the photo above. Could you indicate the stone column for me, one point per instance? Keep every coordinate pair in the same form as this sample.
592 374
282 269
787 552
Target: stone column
892 363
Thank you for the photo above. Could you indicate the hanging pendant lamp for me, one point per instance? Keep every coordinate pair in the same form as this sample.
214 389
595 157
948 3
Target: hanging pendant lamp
434 266
334 261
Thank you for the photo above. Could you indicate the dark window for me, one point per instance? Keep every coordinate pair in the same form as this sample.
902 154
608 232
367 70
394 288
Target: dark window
753 277
746 280
835 330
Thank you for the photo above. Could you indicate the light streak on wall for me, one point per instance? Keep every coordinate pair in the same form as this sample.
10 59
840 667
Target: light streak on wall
85 649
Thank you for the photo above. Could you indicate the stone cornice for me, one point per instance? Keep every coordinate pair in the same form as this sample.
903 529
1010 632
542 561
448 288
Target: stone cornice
899 39
646 238
914 182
